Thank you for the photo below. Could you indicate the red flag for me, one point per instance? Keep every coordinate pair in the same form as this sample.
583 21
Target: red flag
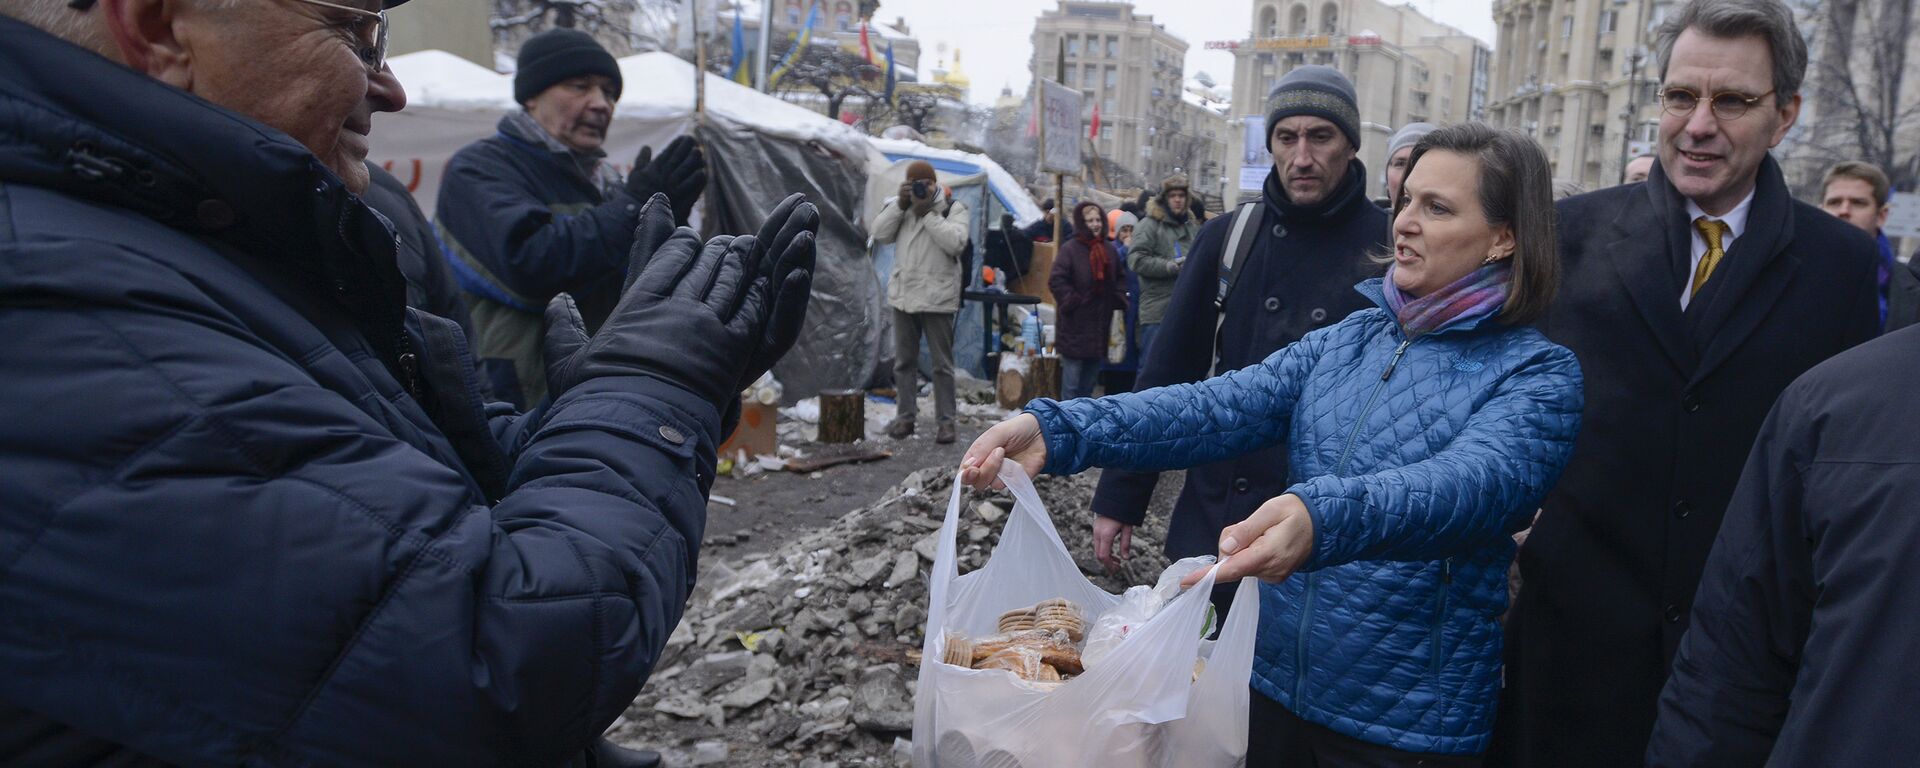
1095 133
866 50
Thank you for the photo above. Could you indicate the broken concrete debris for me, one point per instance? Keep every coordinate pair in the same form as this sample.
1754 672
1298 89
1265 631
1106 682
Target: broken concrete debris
800 656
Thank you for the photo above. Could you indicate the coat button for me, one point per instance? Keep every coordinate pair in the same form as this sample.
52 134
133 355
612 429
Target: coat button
1240 485
1273 303
1317 315
1279 230
1691 402
1673 614
214 214
672 435
1681 509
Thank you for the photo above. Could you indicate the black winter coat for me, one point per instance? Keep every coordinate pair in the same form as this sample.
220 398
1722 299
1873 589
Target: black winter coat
1801 646
236 527
1085 307
430 285
1299 276
1903 295
1674 400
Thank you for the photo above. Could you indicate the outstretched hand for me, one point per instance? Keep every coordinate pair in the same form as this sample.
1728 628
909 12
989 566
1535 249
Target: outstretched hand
1018 438
1270 544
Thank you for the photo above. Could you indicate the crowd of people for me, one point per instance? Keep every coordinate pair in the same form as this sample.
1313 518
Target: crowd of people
299 475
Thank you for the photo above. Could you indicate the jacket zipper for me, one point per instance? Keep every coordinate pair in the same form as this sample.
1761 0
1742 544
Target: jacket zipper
1306 601
1440 613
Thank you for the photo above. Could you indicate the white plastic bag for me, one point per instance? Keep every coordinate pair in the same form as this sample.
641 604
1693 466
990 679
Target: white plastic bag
1141 706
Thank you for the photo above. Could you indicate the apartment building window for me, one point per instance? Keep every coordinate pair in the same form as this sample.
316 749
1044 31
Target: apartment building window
1609 21
843 16
1113 76
1106 106
1072 75
1297 20
1073 45
1329 18
1106 132
1092 78
1566 28
1269 22
1113 46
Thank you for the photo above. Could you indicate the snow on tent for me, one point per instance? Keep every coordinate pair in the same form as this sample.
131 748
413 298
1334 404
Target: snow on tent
759 149
985 188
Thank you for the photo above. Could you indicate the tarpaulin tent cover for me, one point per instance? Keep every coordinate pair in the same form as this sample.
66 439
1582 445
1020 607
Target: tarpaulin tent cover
759 150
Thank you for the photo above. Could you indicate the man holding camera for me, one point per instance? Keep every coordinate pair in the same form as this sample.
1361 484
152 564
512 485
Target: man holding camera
928 231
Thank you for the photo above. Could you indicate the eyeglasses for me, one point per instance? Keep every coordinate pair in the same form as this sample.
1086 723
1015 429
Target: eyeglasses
372 42
1726 105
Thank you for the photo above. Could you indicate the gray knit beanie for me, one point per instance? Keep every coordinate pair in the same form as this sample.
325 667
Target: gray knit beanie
1320 91
1408 135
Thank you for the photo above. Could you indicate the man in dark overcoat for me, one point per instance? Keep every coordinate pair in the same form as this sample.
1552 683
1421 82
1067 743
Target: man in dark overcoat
1315 235
1692 300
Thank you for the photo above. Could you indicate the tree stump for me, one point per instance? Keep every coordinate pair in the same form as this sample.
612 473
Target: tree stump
843 415
1024 379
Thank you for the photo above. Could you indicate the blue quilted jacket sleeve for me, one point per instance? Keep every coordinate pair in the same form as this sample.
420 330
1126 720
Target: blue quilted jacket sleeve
1180 425
1484 484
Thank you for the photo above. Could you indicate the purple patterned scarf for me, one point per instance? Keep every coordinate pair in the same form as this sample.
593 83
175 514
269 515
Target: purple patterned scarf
1481 293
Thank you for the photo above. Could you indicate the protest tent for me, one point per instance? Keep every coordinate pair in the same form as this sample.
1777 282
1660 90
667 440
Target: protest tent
759 149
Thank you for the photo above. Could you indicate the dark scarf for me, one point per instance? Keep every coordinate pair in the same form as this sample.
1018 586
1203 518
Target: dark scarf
1353 187
1479 293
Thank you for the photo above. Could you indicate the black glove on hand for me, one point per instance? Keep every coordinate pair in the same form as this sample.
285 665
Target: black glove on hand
690 315
680 173
785 253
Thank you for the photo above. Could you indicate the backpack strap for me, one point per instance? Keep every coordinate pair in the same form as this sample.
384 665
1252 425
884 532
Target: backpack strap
1246 227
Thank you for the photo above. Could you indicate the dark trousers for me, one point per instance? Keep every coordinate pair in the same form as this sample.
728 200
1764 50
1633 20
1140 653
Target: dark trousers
908 328
1277 738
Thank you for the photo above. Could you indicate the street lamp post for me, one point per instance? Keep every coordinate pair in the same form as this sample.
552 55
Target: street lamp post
1632 110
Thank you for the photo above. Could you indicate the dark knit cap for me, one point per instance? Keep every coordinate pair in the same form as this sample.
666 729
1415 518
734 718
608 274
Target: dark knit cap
1319 91
558 54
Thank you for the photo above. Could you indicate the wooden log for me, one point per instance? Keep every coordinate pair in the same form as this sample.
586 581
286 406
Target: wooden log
1043 379
843 415
1023 379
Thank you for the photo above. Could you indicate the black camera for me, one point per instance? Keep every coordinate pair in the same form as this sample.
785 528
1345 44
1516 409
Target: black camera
922 188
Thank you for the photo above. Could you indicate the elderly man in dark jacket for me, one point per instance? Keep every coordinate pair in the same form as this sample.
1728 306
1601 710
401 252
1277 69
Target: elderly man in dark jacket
535 209
1315 235
1799 653
1692 300
246 519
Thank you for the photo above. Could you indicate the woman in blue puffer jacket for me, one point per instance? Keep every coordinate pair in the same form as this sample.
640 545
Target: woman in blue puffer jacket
1423 434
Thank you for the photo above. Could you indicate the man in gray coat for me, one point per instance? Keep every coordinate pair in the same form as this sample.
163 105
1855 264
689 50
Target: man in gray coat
928 234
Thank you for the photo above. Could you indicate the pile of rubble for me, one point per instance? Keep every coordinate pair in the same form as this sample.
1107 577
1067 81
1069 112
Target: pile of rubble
800 656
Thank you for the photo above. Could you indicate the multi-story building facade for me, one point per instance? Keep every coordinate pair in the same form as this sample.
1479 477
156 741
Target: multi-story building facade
1132 69
1579 76
1405 68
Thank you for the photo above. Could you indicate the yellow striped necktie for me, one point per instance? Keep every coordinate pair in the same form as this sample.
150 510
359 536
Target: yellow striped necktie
1712 230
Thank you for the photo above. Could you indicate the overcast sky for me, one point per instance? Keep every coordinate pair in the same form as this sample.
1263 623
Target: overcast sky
994 35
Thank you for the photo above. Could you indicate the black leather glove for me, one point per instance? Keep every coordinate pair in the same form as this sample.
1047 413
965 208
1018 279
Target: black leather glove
692 315
680 173
785 247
